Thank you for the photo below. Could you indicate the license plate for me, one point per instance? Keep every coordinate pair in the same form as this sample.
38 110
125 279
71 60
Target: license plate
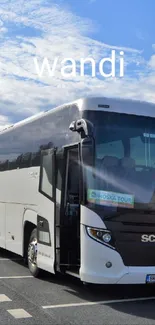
150 278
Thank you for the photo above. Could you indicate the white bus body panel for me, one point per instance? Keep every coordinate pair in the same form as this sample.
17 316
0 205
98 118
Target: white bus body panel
17 194
20 202
95 255
14 227
46 254
2 225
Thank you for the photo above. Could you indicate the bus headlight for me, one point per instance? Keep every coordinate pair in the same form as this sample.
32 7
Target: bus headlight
103 236
106 238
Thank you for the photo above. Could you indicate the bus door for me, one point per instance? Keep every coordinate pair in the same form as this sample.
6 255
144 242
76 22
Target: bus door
68 214
46 211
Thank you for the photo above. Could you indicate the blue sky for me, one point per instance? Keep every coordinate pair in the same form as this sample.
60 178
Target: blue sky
73 29
122 23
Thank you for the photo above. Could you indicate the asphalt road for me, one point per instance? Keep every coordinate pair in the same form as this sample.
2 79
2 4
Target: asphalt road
64 300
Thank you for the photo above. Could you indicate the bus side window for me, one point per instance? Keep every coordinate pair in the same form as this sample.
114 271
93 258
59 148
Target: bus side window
13 164
35 158
4 165
25 160
18 161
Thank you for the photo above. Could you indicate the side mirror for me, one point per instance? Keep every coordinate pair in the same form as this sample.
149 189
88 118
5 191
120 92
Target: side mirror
82 126
87 145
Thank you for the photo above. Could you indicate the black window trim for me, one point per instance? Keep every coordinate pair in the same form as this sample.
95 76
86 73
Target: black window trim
44 153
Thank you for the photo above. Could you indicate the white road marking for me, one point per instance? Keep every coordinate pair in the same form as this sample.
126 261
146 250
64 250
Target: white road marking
19 313
16 277
104 302
4 298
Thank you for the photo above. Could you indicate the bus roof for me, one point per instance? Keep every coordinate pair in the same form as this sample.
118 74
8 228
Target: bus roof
119 105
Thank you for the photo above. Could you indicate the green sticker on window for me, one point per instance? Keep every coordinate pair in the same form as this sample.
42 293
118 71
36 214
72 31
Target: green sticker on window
110 198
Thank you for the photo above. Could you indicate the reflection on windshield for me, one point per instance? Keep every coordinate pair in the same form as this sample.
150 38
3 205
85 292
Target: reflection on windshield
125 161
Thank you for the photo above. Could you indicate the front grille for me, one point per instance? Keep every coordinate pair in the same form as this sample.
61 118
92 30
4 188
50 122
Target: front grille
127 231
133 251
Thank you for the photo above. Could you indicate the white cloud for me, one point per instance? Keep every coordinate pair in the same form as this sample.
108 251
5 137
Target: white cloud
4 122
55 31
3 30
152 62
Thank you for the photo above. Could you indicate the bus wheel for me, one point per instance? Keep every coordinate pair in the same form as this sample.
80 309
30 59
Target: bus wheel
32 254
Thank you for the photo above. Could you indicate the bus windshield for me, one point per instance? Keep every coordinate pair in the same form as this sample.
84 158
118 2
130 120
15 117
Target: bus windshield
124 161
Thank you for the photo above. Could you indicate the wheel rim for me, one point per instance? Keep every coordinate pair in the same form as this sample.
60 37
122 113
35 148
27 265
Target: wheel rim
32 252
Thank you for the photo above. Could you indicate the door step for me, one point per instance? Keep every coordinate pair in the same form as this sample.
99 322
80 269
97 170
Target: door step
73 273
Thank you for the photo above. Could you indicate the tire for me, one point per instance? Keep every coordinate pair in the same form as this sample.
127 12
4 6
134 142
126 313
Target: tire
32 254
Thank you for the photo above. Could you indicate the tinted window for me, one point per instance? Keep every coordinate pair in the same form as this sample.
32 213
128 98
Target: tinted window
46 132
138 151
25 160
112 148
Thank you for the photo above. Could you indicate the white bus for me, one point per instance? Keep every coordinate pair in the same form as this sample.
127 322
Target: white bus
77 191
